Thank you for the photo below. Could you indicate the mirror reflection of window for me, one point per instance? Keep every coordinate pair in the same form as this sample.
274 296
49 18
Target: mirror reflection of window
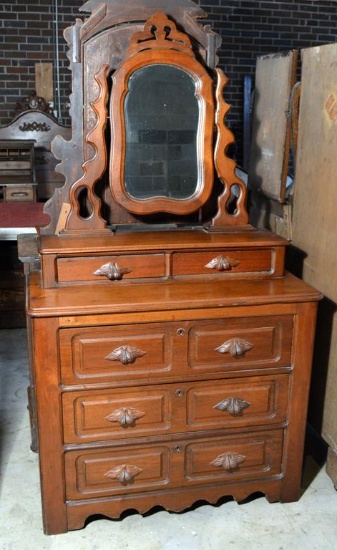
161 124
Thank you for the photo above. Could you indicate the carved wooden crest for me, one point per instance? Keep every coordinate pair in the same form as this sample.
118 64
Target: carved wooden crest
161 33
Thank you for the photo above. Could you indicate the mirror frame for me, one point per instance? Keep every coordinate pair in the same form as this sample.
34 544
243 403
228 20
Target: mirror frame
162 44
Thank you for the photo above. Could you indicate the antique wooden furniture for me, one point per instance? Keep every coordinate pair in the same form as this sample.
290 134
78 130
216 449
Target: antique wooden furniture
170 352
17 170
38 127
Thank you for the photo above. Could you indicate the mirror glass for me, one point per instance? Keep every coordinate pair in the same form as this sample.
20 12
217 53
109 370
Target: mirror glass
161 125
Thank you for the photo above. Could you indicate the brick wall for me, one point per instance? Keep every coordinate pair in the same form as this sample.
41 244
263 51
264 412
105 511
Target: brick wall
251 28
27 37
248 28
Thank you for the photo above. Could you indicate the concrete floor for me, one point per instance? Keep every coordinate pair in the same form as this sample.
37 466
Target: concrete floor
310 524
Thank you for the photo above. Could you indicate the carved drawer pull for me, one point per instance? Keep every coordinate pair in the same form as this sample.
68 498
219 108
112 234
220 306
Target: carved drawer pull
228 461
125 354
126 416
222 264
112 271
235 346
234 405
125 473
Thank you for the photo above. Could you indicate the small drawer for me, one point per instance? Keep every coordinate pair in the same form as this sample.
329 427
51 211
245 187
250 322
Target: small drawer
115 353
241 343
96 415
97 473
256 456
110 268
246 402
20 193
215 263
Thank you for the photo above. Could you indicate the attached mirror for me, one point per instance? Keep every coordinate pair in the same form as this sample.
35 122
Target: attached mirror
162 119
167 135
162 123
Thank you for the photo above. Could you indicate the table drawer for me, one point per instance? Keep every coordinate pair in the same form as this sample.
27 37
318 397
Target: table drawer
110 268
97 473
226 263
241 343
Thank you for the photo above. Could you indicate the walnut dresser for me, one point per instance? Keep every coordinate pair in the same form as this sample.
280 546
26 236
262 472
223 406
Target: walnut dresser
170 353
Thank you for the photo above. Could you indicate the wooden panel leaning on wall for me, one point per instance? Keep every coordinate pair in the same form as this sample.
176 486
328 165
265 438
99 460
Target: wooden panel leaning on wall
314 228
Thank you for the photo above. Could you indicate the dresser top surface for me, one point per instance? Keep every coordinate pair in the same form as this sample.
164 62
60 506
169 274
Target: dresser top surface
119 297
131 241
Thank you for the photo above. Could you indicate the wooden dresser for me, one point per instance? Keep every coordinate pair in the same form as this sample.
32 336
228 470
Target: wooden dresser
170 352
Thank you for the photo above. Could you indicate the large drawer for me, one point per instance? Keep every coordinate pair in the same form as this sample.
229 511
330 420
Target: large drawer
100 472
134 352
136 412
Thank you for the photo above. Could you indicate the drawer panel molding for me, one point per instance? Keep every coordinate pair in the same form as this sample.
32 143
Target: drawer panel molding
252 342
100 472
252 401
115 353
247 457
93 415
